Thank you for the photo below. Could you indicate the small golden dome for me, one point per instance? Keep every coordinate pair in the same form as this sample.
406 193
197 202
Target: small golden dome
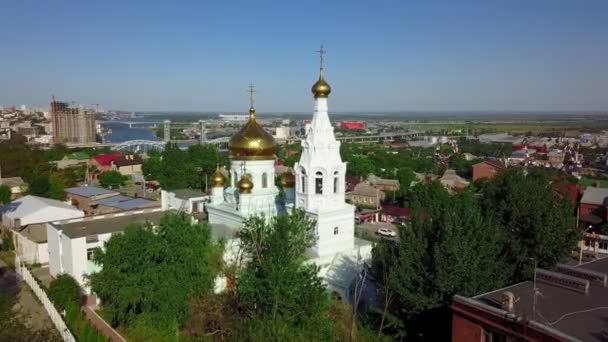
245 184
288 180
252 142
321 88
218 179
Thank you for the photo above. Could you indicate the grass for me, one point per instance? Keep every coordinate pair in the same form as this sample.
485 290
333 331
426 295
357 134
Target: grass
8 257
585 182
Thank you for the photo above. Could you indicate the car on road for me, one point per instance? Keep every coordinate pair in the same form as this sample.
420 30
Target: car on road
386 232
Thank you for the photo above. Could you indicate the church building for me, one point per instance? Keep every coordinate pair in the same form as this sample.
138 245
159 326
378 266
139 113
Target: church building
318 188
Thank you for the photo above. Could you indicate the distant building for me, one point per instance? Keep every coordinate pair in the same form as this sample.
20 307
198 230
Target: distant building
128 164
282 132
593 205
452 181
487 169
567 304
352 124
383 183
72 124
556 159
17 185
103 162
234 117
84 197
366 195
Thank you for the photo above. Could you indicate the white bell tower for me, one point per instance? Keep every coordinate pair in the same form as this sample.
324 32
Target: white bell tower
320 179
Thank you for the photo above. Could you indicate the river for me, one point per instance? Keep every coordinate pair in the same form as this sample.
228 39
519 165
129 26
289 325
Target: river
121 132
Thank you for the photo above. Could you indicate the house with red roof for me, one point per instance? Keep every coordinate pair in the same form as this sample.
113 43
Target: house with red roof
393 213
101 163
487 169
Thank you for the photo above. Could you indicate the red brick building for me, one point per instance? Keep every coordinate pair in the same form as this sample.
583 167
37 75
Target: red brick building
593 205
352 125
487 169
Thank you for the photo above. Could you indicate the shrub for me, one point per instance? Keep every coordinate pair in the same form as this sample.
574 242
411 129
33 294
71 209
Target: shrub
64 291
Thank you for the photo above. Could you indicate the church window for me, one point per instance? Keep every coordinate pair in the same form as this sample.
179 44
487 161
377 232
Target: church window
318 182
336 230
264 180
303 180
335 182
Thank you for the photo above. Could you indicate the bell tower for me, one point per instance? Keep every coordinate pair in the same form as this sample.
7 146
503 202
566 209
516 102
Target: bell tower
320 178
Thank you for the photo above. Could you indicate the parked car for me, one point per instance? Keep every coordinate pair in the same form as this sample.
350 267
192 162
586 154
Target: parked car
386 232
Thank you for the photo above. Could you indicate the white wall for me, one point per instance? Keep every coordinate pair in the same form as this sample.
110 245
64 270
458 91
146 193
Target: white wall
54 249
30 251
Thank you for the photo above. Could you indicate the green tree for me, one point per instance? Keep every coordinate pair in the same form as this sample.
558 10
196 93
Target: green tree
150 273
111 179
540 226
405 176
56 188
40 186
64 291
5 194
275 249
449 247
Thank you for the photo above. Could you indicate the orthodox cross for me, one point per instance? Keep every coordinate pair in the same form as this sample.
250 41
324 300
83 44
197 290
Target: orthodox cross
321 52
251 91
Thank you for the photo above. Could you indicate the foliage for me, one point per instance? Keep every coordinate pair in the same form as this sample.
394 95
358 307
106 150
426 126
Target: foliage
80 327
7 240
449 247
112 179
540 226
212 315
40 186
405 176
12 323
177 169
5 194
173 261
63 291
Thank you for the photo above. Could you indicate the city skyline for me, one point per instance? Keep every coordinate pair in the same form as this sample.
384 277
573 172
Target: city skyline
393 57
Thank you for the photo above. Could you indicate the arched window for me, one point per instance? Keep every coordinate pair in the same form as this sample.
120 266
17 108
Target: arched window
336 230
303 180
318 182
264 180
336 182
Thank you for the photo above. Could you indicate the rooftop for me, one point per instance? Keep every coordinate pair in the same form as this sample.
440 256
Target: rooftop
12 181
34 232
186 194
102 224
106 158
582 316
30 204
125 202
89 191
593 195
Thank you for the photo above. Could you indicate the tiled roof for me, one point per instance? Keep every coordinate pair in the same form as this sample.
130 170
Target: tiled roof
129 159
106 158
89 191
494 163
396 211
125 202
593 195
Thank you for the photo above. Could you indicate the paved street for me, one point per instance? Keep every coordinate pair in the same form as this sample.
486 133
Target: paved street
372 228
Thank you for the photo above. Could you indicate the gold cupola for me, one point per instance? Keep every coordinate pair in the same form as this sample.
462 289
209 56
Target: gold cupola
218 179
245 184
252 142
321 88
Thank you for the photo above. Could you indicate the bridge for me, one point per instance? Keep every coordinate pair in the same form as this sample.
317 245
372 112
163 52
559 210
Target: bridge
142 146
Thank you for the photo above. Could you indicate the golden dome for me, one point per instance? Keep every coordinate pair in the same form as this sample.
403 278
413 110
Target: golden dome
288 180
252 142
321 88
245 184
218 179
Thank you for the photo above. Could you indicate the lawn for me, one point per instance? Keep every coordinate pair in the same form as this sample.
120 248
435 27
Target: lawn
585 182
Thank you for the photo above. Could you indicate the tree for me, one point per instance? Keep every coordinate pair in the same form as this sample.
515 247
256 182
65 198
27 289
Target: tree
449 247
56 188
274 250
64 291
40 186
405 176
540 226
5 194
150 273
110 179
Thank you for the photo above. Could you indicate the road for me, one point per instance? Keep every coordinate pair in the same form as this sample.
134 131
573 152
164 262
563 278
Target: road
372 228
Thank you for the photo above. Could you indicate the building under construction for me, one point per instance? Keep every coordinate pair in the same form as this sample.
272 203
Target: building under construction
72 124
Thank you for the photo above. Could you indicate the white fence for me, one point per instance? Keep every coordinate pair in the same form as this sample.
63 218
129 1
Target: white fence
56 318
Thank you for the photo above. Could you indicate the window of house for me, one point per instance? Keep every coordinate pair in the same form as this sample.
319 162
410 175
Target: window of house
603 245
336 230
335 182
303 180
90 252
318 183
264 180
490 335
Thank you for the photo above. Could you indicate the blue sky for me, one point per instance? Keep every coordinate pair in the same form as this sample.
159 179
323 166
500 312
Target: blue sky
486 55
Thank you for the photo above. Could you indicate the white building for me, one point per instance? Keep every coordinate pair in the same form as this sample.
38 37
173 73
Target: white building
282 132
71 242
233 117
319 191
26 217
